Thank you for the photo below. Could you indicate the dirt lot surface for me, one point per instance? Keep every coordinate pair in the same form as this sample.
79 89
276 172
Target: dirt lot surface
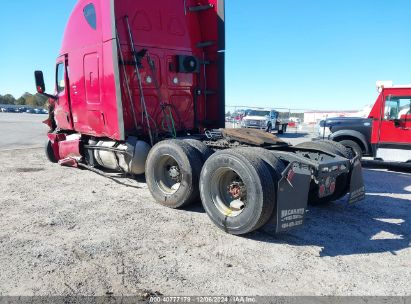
67 231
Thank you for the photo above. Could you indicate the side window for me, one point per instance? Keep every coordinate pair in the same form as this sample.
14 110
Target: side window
60 80
90 15
397 107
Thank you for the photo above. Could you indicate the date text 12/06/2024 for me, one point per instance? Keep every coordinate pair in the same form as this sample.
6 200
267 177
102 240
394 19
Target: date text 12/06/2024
199 299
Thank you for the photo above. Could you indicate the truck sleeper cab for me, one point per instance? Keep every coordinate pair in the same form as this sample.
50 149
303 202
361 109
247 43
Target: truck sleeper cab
141 90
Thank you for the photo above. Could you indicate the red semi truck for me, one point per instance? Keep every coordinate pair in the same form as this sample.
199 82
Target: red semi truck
140 89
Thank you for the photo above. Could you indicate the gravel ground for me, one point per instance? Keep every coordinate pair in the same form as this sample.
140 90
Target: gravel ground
67 231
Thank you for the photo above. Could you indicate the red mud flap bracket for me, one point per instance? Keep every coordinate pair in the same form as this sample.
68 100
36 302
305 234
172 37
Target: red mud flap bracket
292 197
357 188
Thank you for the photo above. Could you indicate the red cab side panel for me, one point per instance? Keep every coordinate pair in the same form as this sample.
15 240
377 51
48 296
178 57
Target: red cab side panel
391 130
91 54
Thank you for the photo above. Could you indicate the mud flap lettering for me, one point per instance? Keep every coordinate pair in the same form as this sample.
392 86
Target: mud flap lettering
357 188
292 197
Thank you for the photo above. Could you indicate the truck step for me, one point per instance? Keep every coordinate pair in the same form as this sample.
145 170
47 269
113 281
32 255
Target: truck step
200 8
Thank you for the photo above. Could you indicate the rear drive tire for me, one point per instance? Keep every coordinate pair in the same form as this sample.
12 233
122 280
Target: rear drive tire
275 165
321 145
237 191
353 146
172 172
48 149
344 151
329 146
269 128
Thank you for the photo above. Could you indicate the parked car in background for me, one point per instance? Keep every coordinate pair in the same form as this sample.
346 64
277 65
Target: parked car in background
37 111
352 132
264 120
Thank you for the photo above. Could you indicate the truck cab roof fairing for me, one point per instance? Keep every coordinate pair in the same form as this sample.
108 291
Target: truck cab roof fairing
78 32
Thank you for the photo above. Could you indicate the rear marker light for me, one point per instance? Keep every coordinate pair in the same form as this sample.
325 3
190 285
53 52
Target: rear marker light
290 175
322 190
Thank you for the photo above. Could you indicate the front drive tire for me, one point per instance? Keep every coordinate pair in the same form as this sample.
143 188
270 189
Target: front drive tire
172 173
201 147
231 171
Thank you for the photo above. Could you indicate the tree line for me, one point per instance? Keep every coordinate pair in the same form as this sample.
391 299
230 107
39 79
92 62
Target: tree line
27 99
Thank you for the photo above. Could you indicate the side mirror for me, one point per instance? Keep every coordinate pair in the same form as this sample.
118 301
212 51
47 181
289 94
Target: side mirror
40 86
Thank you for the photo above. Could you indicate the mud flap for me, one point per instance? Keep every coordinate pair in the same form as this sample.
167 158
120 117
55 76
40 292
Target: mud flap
292 197
357 188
